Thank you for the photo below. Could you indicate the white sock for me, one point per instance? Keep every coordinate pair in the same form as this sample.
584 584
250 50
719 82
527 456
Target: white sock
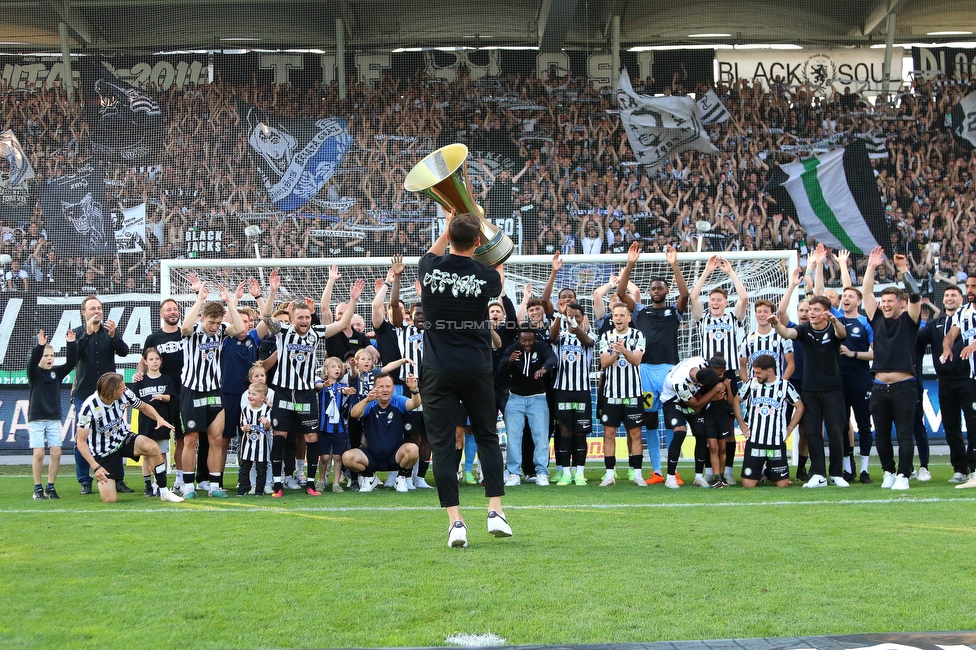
299 466
579 470
697 475
637 473
179 476
559 469
847 465
864 463
728 472
163 491
708 473
188 487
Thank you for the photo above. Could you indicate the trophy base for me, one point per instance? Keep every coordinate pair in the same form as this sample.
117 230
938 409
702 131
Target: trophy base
498 249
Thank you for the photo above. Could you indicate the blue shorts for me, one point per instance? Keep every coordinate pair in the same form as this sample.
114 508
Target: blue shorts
41 431
652 382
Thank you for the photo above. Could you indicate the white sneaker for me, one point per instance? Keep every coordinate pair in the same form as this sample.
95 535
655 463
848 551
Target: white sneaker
321 485
203 486
609 478
497 525
291 483
530 479
959 477
672 482
168 497
887 481
901 483
924 474
839 481
178 486
971 483
252 490
816 481
368 483
701 481
301 479
513 480
728 480
639 480
400 484
410 486
390 480
458 536
268 489
421 483
542 480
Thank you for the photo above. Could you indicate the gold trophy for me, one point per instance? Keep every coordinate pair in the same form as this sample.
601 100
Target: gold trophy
443 176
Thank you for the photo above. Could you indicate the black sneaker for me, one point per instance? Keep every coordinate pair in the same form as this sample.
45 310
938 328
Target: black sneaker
866 478
718 483
849 477
86 488
39 494
242 490
801 474
51 493
149 492
122 488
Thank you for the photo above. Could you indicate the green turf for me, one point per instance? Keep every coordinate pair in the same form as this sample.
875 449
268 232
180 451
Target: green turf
586 565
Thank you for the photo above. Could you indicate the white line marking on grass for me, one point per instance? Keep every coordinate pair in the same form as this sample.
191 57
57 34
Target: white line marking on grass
475 640
209 509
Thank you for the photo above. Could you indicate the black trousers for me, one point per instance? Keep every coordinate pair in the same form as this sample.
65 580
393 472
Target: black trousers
894 404
857 396
442 392
955 396
825 409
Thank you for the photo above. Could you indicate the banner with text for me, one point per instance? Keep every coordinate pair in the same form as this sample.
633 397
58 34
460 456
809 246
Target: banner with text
952 62
826 71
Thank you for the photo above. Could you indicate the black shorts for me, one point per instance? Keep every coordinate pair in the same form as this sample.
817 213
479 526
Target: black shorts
198 410
295 411
232 414
114 463
413 424
333 444
462 417
574 410
772 458
716 420
383 463
629 412
675 417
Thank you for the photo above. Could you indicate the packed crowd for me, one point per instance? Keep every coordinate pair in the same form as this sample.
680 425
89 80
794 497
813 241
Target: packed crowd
564 168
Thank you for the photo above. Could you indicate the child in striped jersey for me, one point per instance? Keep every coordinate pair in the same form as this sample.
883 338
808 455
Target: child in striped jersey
258 374
333 414
255 438
362 376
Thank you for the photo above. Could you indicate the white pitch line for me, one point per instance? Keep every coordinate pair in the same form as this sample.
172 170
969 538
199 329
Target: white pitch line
175 509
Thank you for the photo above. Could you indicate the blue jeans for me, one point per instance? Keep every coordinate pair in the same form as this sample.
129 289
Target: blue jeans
82 468
532 408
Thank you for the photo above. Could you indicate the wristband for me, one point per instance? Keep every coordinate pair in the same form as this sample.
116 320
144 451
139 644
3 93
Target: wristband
414 392
96 469
387 284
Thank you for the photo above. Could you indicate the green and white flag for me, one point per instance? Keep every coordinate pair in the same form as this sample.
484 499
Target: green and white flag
836 198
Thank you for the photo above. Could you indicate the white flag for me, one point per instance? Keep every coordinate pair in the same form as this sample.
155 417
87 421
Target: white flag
131 237
659 127
963 120
711 109
20 167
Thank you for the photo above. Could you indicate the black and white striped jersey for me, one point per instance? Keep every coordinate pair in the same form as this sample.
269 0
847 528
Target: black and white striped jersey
573 362
755 345
411 343
965 320
720 337
255 443
622 379
108 424
296 357
201 359
678 386
764 410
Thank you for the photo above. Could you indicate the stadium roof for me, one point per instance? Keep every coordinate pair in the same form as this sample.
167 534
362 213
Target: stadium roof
166 25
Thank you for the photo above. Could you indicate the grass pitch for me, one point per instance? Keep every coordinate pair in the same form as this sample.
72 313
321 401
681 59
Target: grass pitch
586 565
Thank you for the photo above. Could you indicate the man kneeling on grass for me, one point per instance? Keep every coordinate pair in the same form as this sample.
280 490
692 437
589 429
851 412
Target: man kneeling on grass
760 408
383 447
104 438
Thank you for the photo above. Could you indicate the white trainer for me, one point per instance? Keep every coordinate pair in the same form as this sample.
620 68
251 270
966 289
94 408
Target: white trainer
458 535
640 481
959 477
168 497
839 481
400 484
421 483
497 525
390 480
900 483
609 478
887 481
513 480
924 474
368 483
816 481
410 486
268 489
701 481
728 480
291 483
672 482
542 480
971 483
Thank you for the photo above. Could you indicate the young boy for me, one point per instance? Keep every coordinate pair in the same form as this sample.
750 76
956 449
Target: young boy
157 389
333 432
621 351
255 433
44 412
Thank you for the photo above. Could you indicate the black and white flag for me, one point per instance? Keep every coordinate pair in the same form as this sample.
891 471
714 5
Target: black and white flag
964 120
711 109
75 215
875 141
20 167
659 127
129 123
